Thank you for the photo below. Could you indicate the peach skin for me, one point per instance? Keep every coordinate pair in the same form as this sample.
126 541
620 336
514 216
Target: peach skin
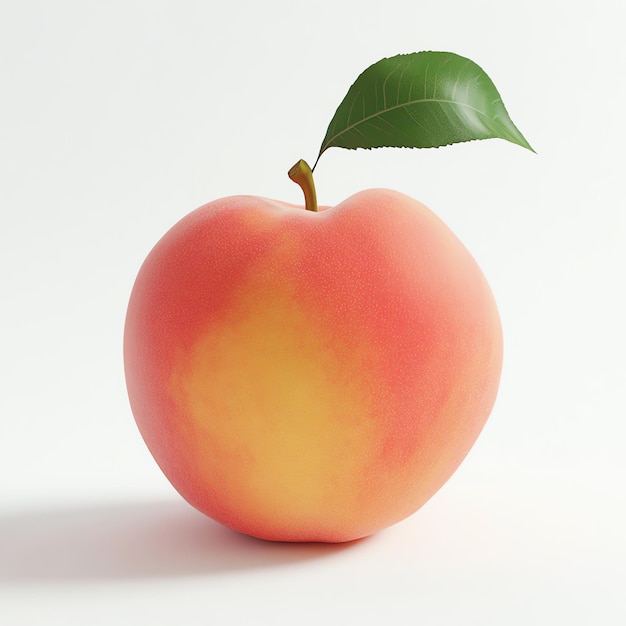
309 375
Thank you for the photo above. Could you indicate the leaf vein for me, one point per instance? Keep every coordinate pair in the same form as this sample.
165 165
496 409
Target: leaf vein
405 105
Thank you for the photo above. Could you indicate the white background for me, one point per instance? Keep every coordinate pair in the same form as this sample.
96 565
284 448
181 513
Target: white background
117 118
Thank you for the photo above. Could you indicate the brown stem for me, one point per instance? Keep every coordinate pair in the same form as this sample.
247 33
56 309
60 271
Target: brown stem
301 173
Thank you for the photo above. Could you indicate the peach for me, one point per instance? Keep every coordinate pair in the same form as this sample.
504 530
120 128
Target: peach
311 376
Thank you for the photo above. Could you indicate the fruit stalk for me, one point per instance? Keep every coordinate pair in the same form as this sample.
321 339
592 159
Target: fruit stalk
302 174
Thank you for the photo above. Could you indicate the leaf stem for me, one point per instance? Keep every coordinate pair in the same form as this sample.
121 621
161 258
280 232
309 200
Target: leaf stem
302 174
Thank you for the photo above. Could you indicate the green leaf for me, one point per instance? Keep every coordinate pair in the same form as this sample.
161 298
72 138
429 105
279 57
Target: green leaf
420 100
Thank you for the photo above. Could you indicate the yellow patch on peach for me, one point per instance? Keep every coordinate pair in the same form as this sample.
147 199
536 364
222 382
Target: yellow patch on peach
296 453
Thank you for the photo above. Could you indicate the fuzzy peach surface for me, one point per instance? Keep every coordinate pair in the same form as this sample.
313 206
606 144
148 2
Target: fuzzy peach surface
304 376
